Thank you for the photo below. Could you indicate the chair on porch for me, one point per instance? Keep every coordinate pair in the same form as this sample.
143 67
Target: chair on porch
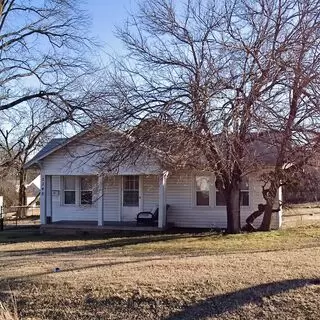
149 217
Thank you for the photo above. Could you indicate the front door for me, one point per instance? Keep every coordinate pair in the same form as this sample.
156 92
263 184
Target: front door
130 198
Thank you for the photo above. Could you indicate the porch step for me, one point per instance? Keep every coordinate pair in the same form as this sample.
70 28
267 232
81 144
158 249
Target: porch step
67 227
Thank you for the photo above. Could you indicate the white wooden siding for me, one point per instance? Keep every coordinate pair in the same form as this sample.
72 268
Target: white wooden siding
82 159
66 161
70 212
180 196
111 200
150 192
184 213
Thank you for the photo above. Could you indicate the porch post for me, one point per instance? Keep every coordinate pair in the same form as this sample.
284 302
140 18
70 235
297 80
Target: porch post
162 220
48 195
140 193
280 205
43 199
100 201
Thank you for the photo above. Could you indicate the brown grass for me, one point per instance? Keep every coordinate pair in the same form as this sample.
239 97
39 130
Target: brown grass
6 314
170 276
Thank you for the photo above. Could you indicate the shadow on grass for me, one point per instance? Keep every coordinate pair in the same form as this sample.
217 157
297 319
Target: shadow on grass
112 241
32 234
138 306
217 305
118 240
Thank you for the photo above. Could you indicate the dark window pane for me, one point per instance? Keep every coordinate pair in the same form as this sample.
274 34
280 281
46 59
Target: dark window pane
86 183
220 200
69 197
244 198
202 198
86 197
130 198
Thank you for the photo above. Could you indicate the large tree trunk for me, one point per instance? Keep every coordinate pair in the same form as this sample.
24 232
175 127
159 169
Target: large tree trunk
22 200
232 196
266 221
270 197
231 189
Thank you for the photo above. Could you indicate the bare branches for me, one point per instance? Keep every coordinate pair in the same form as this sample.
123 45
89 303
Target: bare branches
217 80
44 51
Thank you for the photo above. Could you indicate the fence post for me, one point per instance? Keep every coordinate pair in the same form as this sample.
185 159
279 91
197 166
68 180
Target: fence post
1 218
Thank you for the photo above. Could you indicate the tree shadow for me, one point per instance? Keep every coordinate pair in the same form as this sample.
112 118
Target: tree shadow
32 234
229 302
112 241
140 306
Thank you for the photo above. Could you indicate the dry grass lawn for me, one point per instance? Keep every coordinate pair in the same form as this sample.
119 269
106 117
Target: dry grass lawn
169 276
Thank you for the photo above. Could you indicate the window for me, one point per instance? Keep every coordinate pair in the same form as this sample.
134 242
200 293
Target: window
85 190
220 200
77 190
244 194
202 191
69 190
131 191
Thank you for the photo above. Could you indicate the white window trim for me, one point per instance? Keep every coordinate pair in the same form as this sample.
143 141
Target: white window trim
78 192
92 192
62 180
247 190
194 190
123 190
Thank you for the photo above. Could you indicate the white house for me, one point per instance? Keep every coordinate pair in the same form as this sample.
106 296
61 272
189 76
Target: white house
74 189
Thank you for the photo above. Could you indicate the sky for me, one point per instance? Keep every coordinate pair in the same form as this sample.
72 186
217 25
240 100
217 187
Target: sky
105 15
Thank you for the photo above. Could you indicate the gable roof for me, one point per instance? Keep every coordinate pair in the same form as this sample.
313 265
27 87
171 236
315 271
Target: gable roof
54 145
172 141
50 147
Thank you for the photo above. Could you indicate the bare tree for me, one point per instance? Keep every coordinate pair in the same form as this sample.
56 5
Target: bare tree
46 75
212 79
22 133
292 107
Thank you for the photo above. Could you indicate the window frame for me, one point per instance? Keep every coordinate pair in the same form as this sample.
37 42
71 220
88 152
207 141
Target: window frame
124 189
241 190
85 190
69 190
195 191
216 190
77 190
246 191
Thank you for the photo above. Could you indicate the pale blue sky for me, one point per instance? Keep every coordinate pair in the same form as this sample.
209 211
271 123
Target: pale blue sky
105 14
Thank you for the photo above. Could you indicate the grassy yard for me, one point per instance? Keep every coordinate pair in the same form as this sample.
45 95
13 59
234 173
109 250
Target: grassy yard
162 276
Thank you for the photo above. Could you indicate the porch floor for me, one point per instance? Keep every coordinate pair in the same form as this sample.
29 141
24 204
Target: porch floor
93 226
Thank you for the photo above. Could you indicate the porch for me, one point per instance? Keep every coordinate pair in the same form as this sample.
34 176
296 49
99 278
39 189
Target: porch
110 202
65 226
